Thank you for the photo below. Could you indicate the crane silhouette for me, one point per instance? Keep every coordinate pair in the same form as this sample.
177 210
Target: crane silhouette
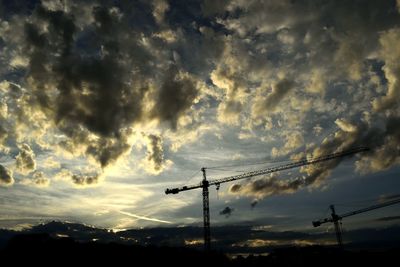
336 219
205 184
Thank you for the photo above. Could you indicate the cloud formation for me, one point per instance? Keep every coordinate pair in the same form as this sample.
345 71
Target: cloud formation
263 105
87 93
38 179
83 180
227 212
85 80
6 176
176 95
155 162
360 125
384 155
25 160
93 73
268 186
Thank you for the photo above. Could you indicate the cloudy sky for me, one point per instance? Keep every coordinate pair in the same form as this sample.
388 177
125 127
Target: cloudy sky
105 104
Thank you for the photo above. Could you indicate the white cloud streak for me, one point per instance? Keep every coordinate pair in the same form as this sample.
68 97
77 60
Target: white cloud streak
143 217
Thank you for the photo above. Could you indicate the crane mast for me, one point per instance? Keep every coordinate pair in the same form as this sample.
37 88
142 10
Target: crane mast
205 184
336 219
206 212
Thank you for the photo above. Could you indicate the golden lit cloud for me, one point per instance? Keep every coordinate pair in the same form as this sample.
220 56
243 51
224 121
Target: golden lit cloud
38 179
25 160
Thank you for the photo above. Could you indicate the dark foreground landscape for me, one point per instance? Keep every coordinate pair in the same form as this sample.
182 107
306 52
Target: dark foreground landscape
43 249
62 243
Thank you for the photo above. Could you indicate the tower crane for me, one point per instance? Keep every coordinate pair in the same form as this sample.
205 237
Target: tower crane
205 184
336 219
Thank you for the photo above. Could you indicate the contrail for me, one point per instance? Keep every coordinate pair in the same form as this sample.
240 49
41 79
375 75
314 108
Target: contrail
142 217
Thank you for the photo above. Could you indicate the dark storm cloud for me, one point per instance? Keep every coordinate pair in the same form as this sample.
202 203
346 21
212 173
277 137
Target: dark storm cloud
175 96
6 177
25 160
155 153
92 88
91 75
84 93
108 150
227 212
267 186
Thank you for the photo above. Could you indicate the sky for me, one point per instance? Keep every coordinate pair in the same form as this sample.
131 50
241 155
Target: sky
105 104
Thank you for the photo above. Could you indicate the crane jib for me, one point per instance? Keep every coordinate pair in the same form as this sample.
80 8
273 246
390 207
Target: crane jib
348 214
299 163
